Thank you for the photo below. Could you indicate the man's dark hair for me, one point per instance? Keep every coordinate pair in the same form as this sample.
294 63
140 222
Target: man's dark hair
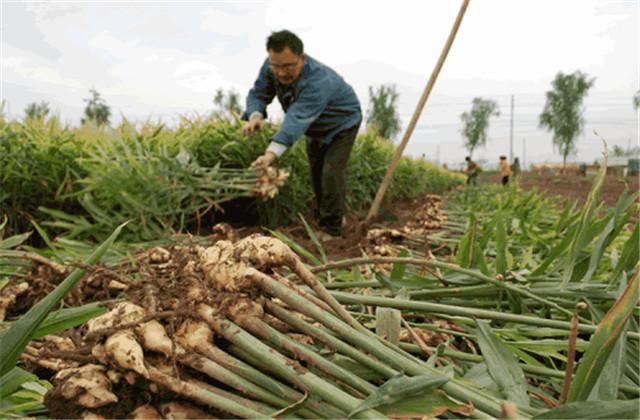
467 158
278 41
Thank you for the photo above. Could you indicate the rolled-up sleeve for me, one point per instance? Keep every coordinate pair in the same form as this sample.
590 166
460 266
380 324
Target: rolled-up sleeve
311 102
261 94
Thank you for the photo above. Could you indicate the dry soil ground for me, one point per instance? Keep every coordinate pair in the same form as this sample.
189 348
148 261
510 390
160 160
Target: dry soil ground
571 186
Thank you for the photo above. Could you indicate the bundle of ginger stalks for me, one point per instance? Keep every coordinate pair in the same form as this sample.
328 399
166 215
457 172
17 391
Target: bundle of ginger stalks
227 330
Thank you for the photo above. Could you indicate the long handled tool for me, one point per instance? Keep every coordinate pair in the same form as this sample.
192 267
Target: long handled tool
373 211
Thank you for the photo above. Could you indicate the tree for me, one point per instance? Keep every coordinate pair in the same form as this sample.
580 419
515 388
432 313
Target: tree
476 122
97 110
618 151
37 111
562 113
382 114
227 104
636 100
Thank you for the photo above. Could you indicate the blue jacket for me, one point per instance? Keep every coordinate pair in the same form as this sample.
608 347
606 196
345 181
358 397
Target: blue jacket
319 104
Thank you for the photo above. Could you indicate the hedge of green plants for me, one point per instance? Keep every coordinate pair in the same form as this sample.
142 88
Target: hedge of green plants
82 181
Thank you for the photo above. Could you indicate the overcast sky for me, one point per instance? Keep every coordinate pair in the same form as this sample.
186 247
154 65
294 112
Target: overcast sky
160 60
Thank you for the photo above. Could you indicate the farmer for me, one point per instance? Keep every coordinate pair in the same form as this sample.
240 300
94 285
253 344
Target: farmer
505 170
472 171
317 103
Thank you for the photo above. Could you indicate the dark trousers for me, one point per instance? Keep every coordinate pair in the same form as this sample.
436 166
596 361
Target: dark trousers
328 163
505 180
471 178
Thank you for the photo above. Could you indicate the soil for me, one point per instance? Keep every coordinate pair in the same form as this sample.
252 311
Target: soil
129 397
571 186
353 240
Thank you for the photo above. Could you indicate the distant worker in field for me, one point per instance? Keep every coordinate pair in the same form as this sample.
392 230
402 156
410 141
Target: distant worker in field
472 171
515 167
505 170
317 103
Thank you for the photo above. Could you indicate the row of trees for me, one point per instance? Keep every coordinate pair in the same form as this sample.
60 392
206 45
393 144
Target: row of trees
562 113
383 114
96 110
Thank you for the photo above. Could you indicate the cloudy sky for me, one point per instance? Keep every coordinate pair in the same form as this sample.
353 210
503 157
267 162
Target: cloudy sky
163 59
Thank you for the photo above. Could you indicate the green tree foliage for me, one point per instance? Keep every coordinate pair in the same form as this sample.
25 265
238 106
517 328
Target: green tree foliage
562 113
619 151
636 100
97 110
37 110
382 115
476 123
227 105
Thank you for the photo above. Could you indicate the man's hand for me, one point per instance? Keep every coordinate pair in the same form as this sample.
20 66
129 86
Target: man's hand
264 161
256 122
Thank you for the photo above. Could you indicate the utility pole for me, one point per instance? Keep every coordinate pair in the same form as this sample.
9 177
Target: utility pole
524 153
511 134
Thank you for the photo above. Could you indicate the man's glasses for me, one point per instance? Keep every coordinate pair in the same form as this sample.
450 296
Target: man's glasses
287 67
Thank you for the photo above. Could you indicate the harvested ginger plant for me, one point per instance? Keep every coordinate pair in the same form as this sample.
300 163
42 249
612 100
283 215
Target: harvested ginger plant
226 331
181 335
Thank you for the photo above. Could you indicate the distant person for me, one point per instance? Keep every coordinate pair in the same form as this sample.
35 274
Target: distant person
505 170
317 103
472 171
515 167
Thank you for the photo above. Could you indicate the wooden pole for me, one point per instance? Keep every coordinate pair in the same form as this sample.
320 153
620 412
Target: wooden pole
373 211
